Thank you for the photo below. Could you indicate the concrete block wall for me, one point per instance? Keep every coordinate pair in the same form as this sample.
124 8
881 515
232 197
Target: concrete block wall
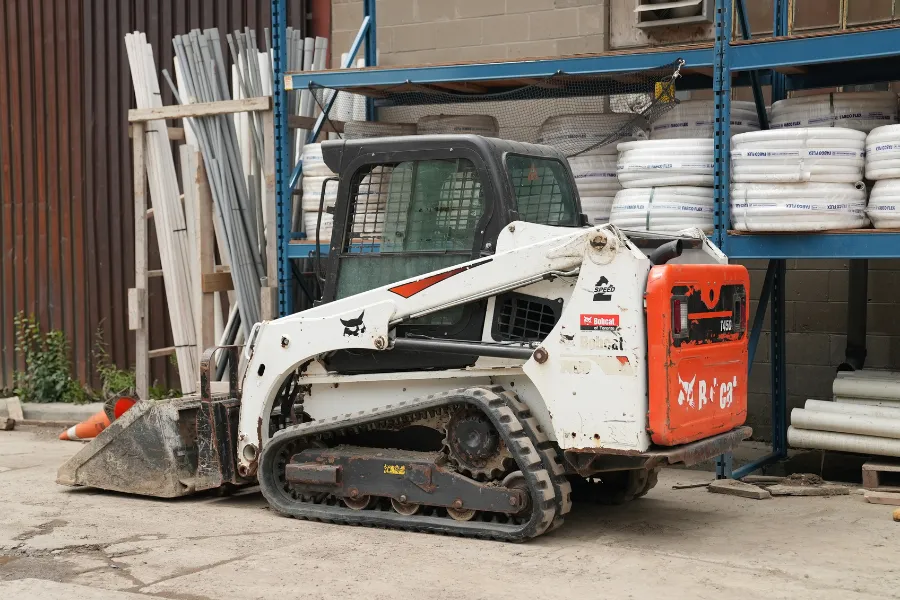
413 32
816 325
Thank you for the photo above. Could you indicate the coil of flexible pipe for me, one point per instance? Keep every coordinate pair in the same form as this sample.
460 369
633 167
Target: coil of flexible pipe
803 179
696 119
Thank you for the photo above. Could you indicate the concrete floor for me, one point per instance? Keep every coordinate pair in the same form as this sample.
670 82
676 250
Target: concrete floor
62 543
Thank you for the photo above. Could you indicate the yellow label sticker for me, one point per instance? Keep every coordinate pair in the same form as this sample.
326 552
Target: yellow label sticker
665 91
395 469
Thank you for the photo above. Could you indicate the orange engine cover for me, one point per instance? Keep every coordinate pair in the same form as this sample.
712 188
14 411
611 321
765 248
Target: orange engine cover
697 350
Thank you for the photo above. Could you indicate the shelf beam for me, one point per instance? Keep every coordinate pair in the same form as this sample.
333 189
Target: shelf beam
695 57
776 53
851 244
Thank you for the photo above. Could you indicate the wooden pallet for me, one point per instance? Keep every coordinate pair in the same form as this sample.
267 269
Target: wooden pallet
882 476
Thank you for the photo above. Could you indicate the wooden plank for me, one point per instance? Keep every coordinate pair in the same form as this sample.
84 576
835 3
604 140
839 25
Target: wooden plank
160 352
216 282
461 86
136 300
201 109
176 134
298 122
268 306
141 331
206 251
154 273
891 499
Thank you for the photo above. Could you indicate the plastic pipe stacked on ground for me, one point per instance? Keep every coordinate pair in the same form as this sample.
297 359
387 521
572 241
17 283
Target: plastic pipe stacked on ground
805 179
863 418
883 167
590 140
668 185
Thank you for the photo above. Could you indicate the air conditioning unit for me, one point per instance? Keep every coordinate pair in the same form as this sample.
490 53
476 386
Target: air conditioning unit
668 13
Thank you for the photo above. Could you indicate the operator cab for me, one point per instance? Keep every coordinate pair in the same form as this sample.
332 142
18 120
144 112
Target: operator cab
411 205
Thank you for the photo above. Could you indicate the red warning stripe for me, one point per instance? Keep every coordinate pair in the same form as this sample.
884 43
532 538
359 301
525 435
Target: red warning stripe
408 290
722 314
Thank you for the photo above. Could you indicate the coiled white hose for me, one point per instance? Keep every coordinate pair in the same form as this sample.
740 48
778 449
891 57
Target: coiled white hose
682 162
696 119
663 209
313 164
312 193
819 154
863 111
310 220
883 153
357 130
484 125
591 133
884 204
798 206
597 183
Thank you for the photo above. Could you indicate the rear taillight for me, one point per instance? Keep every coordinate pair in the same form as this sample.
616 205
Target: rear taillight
679 317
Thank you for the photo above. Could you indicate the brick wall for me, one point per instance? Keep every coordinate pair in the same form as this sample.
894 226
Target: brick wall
439 31
412 32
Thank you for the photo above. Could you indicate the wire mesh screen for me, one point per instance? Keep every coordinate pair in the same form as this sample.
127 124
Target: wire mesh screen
542 191
409 218
522 107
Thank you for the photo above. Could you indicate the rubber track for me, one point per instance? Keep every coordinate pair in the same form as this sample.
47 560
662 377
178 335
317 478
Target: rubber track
518 435
549 453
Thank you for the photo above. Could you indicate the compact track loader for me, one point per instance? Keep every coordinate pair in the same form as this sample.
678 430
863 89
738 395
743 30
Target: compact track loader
479 356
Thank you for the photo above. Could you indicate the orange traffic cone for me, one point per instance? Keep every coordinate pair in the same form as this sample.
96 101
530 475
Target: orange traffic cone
88 429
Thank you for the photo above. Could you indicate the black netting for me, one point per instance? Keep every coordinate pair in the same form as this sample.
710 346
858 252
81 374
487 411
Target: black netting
574 113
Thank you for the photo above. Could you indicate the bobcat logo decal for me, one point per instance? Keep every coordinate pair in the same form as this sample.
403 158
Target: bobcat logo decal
355 326
687 392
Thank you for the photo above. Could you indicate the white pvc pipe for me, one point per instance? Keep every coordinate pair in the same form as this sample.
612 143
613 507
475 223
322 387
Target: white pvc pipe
858 424
867 401
878 412
875 388
843 442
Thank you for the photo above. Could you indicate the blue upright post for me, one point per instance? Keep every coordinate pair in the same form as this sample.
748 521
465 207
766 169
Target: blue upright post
282 159
722 150
371 52
722 130
778 335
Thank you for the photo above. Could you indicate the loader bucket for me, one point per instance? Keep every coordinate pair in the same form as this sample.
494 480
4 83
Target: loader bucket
163 449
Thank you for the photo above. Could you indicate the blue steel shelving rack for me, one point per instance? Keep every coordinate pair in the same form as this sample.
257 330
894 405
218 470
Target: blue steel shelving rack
786 63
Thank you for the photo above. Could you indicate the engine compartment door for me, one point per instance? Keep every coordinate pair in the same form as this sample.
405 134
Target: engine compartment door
697 351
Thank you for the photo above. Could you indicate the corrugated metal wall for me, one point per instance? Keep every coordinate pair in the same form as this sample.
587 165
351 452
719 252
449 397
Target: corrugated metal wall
66 201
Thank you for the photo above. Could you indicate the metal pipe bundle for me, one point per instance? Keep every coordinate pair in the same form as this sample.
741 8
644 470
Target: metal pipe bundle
201 67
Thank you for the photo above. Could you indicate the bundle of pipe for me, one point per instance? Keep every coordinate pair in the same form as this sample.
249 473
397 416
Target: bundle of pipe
668 185
484 125
697 118
590 141
237 205
316 174
358 130
864 416
806 179
883 167
170 221
664 209
862 111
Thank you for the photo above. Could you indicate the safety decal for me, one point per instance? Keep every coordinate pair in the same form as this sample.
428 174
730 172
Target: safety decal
408 290
599 322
